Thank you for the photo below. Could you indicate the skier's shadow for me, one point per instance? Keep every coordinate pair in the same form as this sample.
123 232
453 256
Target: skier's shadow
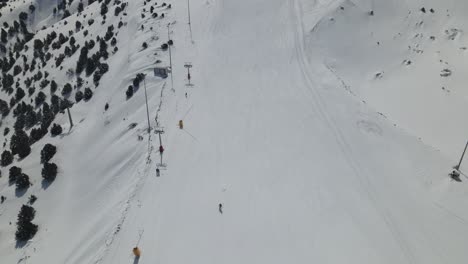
136 260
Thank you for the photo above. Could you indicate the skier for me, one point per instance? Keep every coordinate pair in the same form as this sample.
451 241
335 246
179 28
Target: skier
161 149
157 172
136 252
221 208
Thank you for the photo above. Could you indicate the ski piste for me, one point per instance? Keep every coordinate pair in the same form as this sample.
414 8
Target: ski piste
304 139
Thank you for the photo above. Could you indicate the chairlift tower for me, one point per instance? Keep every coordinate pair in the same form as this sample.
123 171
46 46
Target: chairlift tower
457 167
188 65
159 131
70 117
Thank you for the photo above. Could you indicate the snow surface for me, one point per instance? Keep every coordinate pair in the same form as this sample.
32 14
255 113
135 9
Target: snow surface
275 129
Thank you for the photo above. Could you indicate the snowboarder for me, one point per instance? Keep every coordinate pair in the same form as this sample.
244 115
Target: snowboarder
157 172
161 149
221 208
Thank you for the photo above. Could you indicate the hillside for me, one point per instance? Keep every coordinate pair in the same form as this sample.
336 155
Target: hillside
313 131
406 60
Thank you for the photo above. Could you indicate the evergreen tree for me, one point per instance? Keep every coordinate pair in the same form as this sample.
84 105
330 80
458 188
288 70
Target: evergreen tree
40 98
19 94
88 94
16 70
19 144
53 86
78 96
37 133
4 36
38 44
55 101
25 228
104 9
23 16
129 92
15 172
22 182
66 14
80 7
4 109
67 89
32 199
7 158
56 130
49 171
48 152
82 60
77 25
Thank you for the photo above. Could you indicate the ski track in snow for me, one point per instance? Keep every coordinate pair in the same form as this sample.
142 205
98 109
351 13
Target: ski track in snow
359 172
128 204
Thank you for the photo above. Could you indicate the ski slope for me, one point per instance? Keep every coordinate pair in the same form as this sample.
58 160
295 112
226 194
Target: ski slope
395 61
305 170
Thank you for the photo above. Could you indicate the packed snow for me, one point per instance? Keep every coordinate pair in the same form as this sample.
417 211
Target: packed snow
314 131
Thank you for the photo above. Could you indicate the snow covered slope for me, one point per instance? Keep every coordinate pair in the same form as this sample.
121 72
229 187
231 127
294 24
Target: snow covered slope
407 60
275 130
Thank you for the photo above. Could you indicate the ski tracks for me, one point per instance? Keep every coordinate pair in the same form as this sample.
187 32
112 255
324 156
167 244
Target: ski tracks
359 172
111 237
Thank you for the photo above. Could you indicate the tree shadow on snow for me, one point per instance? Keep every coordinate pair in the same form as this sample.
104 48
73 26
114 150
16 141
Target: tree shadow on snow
66 133
45 184
21 243
20 192
136 260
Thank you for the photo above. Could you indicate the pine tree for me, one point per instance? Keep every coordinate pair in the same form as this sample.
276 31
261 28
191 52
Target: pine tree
15 172
82 60
78 96
48 152
56 130
4 109
22 181
104 9
7 158
80 7
53 86
129 92
88 94
19 144
25 228
49 171
23 16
